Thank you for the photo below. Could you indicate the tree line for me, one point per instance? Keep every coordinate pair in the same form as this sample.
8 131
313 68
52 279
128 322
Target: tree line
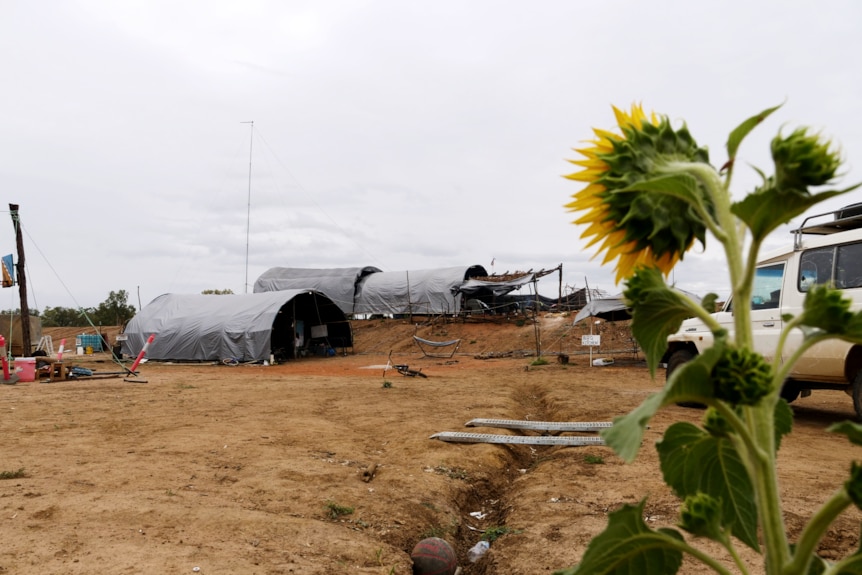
113 311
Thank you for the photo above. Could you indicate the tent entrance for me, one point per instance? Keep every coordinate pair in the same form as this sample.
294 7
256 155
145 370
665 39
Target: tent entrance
310 325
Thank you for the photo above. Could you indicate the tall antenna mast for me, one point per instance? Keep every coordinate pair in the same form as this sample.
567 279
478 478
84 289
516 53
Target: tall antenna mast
248 207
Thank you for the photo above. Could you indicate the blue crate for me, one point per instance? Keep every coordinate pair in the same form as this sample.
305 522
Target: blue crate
89 340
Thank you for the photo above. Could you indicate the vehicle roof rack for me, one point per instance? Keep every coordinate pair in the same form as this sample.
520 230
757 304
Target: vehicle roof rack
843 219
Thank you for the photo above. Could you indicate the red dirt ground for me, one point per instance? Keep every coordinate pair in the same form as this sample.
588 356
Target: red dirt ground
244 469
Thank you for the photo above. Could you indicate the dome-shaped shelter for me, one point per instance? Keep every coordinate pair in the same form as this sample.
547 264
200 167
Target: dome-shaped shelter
246 327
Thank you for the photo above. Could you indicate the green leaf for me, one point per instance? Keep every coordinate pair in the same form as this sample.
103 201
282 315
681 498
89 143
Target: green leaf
693 461
708 302
692 381
853 485
851 565
628 546
765 210
761 173
853 431
819 565
741 131
689 383
654 320
826 311
657 312
783 421
679 185
626 434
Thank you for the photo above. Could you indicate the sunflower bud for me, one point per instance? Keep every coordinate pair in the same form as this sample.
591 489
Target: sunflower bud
803 160
826 308
700 515
741 377
716 424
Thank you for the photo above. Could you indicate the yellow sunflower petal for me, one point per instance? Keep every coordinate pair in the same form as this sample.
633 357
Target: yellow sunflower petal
591 163
588 152
596 227
605 138
586 203
587 175
623 119
597 237
589 192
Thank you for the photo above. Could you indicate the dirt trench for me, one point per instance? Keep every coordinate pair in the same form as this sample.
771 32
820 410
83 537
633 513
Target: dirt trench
482 501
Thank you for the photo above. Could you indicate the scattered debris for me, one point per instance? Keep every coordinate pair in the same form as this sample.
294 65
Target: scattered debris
369 473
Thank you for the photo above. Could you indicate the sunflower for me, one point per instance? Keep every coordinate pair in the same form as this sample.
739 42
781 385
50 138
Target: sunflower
637 228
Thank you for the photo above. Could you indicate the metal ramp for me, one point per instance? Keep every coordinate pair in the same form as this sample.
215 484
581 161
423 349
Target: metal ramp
549 426
464 437
550 432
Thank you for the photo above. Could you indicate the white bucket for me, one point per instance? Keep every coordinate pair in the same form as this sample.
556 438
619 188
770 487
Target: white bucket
602 361
79 350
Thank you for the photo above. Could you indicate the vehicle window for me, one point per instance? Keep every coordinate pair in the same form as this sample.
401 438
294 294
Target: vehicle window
766 293
848 268
815 267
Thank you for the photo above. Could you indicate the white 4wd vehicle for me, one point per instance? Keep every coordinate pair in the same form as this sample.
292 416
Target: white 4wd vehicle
827 248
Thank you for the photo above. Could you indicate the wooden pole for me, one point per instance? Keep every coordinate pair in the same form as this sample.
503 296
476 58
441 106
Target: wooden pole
536 319
22 281
560 289
409 303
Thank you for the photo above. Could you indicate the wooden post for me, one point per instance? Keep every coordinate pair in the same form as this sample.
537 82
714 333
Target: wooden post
536 319
22 281
409 302
560 289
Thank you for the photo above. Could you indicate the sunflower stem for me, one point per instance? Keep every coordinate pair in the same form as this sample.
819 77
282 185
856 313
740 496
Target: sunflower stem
758 419
815 529
765 481
711 182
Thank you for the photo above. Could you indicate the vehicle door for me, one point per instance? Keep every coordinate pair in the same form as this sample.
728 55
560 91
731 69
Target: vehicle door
840 266
766 297
765 310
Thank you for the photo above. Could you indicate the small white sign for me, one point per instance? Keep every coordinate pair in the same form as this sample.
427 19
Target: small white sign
591 340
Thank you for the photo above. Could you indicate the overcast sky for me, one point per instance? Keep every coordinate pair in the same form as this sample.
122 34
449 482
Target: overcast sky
402 135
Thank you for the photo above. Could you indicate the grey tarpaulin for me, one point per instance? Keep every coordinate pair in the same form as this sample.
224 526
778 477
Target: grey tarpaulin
368 290
610 309
245 327
338 284
497 288
431 291
615 308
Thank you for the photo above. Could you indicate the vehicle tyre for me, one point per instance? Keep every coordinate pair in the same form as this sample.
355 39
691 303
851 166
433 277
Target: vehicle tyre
790 392
857 395
677 359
